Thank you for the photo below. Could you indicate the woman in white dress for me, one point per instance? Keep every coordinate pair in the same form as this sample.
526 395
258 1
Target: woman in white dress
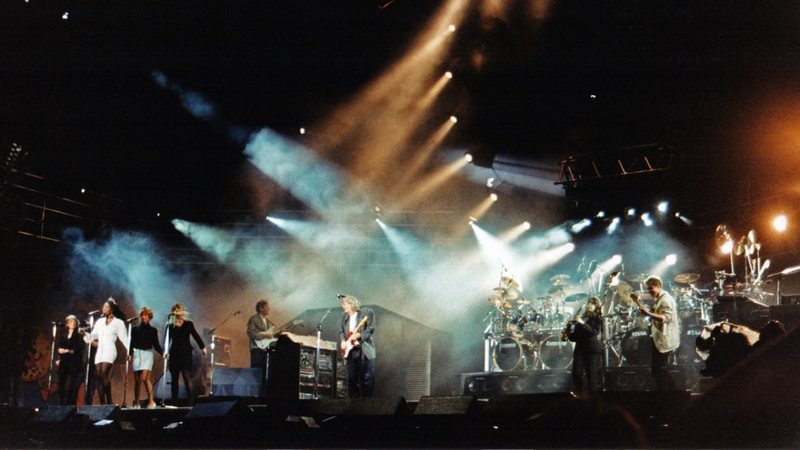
104 336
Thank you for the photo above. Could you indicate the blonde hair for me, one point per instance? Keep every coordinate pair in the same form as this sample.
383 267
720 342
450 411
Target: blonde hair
353 301
179 309
72 317
146 311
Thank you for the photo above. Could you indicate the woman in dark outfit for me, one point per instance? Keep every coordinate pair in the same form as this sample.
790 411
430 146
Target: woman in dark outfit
70 361
587 359
144 344
180 350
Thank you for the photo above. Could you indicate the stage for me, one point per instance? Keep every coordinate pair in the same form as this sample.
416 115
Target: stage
611 419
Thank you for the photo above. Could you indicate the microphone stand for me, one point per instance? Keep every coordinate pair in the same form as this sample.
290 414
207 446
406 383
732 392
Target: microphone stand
88 393
166 358
52 358
213 345
127 366
318 352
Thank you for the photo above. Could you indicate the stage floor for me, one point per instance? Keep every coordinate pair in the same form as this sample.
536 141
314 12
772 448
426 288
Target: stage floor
623 419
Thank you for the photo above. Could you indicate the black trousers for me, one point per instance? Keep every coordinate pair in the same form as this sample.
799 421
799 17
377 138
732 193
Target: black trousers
360 374
591 365
659 365
258 360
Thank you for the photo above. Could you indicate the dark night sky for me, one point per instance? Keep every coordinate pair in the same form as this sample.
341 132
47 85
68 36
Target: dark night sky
704 77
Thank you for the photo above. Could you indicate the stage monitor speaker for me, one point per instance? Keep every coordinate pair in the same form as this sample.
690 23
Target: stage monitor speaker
55 414
377 406
446 405
96 413
213 410
523 405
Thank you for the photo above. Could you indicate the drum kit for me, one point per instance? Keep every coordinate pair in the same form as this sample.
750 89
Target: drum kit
526 334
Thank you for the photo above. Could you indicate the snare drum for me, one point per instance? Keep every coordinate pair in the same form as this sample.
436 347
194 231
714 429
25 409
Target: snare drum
512 353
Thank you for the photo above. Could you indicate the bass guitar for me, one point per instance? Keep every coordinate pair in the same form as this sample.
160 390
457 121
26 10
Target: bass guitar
349 343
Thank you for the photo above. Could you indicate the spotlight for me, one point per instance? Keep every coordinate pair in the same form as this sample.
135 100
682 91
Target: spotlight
83 190
468 157
631 212
727 247
663 207
158 214
453 119
671 259
448 75
493 196
780 223
472 220
580 226
616 258
526 225
65 16
451 28
592 95
612 227
648 222
302 130
490 182
601 214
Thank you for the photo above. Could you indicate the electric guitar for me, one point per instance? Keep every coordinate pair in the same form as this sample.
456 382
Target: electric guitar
351 344
274 331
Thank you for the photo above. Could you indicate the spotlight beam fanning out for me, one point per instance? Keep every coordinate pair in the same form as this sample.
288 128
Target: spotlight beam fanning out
308 177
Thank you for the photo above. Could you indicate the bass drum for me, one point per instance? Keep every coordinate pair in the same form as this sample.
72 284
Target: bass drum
687 352
555 353
637 346
512 354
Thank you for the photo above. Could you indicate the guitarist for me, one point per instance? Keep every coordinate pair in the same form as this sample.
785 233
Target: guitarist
664 329
358 326
261 331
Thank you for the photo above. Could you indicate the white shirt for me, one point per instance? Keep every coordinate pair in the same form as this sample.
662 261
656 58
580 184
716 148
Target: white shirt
106 337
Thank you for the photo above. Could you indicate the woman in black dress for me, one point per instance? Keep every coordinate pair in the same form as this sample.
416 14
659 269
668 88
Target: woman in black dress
70 361
180 350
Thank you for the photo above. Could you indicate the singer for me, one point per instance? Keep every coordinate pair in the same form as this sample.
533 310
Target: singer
107 330
144 344
70 361
180 351
355 335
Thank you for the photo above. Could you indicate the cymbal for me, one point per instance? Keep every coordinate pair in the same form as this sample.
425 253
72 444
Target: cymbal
505 294
523 301
637 277
723 234
499 303
559 279
577 297
510 282
556 290
740 246
686 278
623 291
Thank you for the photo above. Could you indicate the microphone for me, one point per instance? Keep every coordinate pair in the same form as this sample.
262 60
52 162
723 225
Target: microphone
131 319
170 314
341 296
56 323
622 268
592 266
96 311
